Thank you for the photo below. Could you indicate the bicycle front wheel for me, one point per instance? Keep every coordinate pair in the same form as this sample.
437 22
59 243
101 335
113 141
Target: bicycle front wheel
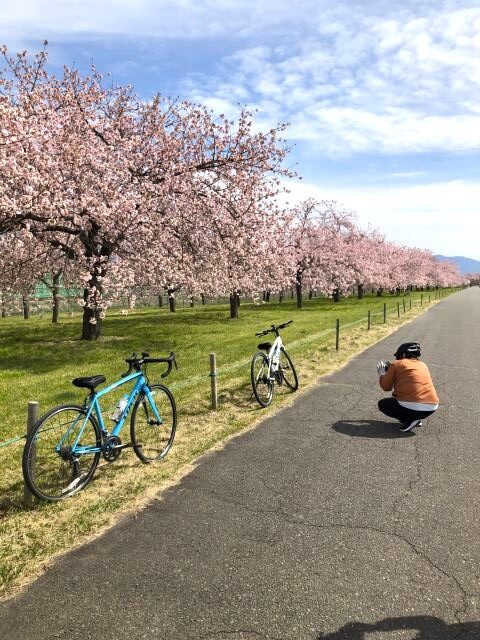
55 465
152 439
263 386
289 375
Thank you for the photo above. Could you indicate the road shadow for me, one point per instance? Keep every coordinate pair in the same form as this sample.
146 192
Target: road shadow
370 429
427 628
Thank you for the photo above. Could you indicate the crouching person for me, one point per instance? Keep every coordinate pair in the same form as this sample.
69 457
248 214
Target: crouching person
414 397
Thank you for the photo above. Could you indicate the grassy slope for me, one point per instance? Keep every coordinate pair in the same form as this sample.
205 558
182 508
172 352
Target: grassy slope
38 361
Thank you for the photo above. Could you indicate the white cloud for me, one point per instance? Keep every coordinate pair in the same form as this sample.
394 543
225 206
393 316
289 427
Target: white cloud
402 175
150 18
442 217
342 131
370 84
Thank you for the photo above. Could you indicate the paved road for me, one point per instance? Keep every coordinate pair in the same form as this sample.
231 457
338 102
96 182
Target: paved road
325 522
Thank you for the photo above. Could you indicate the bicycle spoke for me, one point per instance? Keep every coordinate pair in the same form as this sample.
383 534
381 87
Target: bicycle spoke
262 384
52 467
152 438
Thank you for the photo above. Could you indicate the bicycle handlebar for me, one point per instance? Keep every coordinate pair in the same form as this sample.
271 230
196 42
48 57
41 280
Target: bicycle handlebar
274 329
135 363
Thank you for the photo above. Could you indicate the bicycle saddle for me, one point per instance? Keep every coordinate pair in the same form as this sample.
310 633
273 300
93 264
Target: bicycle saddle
89 382
266 346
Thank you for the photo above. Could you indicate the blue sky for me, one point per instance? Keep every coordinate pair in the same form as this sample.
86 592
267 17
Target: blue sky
383 98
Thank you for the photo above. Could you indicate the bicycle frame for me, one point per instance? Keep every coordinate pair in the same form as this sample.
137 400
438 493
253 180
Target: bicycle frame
95 409
274 356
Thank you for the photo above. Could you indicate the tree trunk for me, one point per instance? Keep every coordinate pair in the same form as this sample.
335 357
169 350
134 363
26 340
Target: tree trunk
379 293
56 297
267 296
91 322
92 316
234 300
160 300
360 291
171 300
298 289
280 296
336 295
310 294
202 295
26 308
192 302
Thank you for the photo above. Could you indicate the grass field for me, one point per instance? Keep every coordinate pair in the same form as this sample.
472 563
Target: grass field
38 361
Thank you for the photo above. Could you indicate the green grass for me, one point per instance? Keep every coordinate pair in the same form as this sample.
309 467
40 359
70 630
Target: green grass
38 360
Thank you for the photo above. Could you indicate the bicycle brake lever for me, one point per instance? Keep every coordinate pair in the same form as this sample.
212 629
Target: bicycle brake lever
171 362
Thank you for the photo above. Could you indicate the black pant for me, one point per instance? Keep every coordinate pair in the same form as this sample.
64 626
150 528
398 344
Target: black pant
391 408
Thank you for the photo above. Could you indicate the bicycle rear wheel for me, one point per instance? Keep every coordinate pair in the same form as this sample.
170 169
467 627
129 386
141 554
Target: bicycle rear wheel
263 386
53 467
152 440
289 375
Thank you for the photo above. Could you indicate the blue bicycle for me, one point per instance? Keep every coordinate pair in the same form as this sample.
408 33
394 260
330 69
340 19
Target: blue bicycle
63 450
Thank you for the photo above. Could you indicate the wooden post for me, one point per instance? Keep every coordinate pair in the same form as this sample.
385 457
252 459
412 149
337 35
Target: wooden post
337 336
369 320
421 299
404 305
32 417
410 302
384 312
428 298
398 309
213 380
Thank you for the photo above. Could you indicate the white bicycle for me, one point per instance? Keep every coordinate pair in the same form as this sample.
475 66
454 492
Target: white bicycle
273 367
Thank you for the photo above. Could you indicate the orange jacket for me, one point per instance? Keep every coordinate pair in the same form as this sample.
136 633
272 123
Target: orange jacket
410 380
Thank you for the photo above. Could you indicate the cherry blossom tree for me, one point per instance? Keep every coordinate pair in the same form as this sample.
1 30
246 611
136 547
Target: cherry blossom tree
322 241
21 263
126 195
472 278
110 171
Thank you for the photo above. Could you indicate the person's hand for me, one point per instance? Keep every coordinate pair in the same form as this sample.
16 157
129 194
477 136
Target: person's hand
382 367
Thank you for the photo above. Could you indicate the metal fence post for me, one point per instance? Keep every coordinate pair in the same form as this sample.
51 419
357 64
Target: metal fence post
398 309
213 380
404 305
369 324
384 312
421 299
337 336
32 417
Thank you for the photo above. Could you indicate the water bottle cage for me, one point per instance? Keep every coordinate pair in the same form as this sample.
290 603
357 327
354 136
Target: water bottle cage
119 409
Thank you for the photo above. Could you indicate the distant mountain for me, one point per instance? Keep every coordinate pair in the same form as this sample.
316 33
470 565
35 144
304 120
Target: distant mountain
465 265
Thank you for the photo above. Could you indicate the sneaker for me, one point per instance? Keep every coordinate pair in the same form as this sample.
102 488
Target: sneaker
411 425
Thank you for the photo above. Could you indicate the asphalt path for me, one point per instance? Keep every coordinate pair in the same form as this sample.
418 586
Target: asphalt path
325 522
